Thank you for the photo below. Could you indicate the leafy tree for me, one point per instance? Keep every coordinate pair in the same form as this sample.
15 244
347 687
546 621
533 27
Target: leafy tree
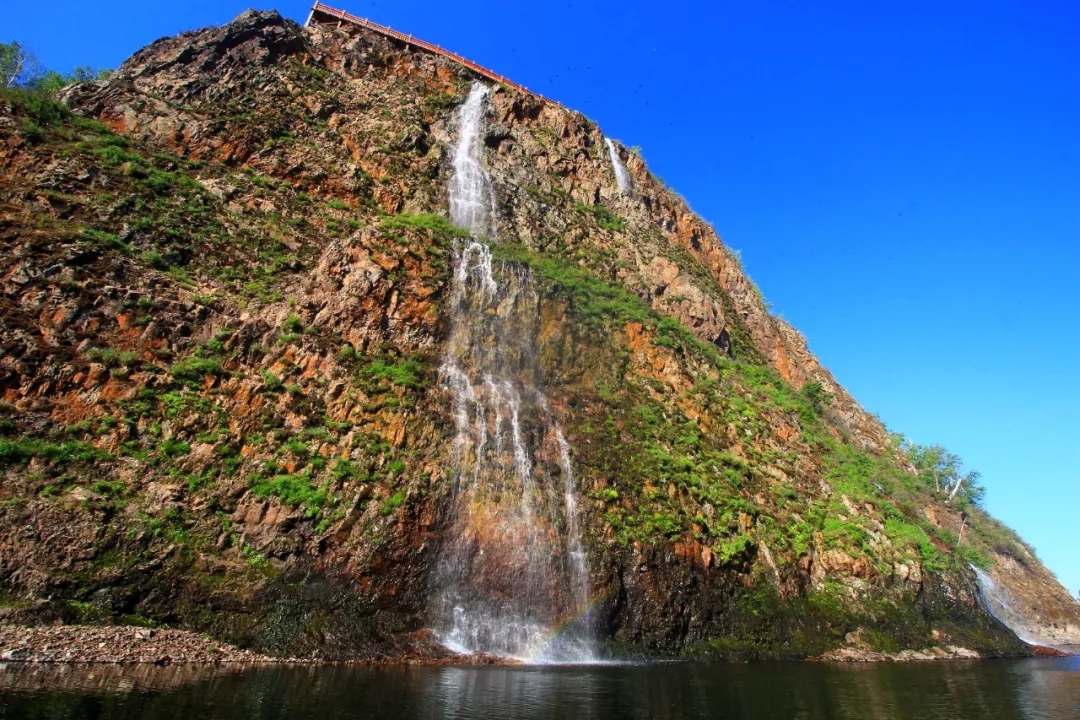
52 82
17 65
816 394
947 469
19 68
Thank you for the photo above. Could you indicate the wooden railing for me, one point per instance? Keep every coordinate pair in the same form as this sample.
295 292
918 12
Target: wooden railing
321 12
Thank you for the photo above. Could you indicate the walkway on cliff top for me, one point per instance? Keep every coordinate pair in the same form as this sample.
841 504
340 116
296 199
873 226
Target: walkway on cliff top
325 13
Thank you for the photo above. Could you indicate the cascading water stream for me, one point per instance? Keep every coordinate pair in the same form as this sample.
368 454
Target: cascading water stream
513 576
471 199
997 601
622 177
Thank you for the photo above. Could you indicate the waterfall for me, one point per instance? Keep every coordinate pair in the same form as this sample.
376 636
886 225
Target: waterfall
998 602
622 177
470 187
579 565
513 576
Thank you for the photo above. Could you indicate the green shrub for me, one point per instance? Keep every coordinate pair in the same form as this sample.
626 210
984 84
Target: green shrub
155 260
254 558
195 483
401 372
37 111
174 448
293 323
968 553
113 155
194 369
294 491
815 393
25 449
442 101
106 356
112 358
38 106
107 240
604 217
110 488
392 503
437 224
271 382
296 447
732 549
345 470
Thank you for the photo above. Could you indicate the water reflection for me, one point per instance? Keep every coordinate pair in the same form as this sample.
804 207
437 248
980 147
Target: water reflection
994 690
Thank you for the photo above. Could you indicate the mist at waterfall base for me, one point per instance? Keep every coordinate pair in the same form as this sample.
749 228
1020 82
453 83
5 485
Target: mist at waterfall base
512 579
1029 689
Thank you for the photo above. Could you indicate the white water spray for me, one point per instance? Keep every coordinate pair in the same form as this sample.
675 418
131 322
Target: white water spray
622 177
513 576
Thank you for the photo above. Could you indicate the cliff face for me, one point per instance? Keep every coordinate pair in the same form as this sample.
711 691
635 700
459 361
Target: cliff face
225 286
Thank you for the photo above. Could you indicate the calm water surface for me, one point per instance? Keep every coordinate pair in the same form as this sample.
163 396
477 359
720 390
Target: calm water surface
987 690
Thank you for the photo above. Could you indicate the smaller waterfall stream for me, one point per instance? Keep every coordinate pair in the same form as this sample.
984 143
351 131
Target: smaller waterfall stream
999 603
622 177
513 576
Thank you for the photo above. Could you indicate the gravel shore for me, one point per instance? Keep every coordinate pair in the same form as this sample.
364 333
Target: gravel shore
121 644
117 644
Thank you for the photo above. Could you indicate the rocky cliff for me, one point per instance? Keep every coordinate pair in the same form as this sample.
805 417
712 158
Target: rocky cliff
225 277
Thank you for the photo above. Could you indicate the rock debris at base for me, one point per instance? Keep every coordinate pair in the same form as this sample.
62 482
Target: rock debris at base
855 654
134 645
115 644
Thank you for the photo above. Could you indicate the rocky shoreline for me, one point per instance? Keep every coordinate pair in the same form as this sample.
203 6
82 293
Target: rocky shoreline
951 652
117 644
863 655
120 645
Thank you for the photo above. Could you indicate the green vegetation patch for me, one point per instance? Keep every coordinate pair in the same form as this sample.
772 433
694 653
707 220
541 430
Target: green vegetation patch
392 503
383 371
604 217
294 490
194 369
437 225
26 448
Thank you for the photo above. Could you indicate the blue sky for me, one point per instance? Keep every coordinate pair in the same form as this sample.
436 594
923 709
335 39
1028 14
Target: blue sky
903 182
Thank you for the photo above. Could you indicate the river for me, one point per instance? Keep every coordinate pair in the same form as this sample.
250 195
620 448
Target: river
955 690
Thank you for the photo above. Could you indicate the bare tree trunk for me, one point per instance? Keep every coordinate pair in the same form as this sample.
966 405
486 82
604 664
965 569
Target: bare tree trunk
956 489
15 75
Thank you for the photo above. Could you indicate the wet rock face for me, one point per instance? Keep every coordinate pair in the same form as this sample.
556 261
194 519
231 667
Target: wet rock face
1037 607
225 285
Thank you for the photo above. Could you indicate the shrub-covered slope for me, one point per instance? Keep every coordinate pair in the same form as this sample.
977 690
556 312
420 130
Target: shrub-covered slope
225 274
